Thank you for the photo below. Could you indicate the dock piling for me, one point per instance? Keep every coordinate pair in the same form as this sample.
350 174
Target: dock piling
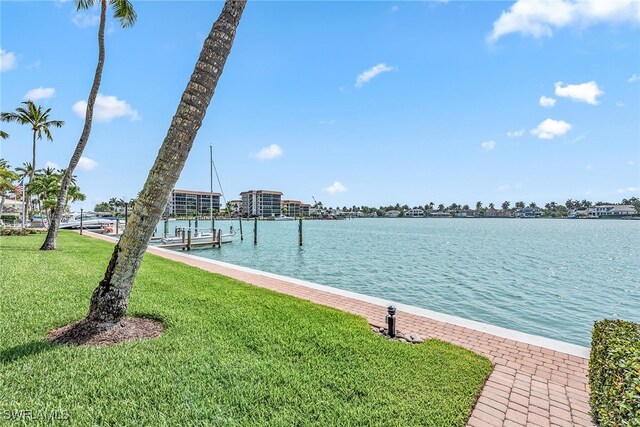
255 231
189 239
241 236
300 232
220 238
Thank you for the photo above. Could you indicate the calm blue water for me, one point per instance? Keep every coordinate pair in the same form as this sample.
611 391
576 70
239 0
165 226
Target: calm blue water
546 277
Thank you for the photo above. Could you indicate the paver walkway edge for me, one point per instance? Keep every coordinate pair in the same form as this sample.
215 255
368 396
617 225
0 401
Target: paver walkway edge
531 385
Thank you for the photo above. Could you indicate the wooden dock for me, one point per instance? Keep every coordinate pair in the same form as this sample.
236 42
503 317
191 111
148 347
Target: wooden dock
185 246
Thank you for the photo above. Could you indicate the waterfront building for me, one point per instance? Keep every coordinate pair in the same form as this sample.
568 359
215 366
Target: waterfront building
392 214
305 209
236 207
528 213
611 210
415 213
291 207
261 203
190 203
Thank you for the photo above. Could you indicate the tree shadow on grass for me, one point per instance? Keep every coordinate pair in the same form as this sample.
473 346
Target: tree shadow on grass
17 352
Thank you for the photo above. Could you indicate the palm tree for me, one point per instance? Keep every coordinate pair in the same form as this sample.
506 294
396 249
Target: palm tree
123 11
110 299
39 122
505 205
3 134
74 195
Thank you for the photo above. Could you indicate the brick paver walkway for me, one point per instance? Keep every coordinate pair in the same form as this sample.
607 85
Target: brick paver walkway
529 386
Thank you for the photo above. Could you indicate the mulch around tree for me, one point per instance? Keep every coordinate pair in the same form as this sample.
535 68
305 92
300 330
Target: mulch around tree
85 332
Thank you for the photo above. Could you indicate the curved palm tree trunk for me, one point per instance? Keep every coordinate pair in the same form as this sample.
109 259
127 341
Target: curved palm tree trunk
110 299
50 241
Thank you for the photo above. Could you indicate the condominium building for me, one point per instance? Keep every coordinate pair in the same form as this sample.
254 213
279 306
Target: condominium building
305 209
191 203
236 207
291 207
261 203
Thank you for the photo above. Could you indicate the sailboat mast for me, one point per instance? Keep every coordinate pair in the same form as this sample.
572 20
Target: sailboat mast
211 195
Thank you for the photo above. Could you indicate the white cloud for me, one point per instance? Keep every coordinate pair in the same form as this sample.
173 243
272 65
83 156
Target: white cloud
627 190
106 109
515 133
87 164
394 8
50 164
369 74
488 145
85 20
34 65
585 92
268 153
631 163
620 104
633 78
8 60
549 129
538 18
39 93
547 101
335 188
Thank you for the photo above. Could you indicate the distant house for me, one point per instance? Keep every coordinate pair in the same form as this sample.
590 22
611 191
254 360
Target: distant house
438 214
611 210
528 213
578 213
414 213
469 213
392 214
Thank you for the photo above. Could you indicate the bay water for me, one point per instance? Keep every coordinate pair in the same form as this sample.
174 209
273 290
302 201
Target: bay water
546 277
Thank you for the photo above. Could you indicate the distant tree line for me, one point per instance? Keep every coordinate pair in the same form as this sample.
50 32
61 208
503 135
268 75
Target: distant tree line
550 209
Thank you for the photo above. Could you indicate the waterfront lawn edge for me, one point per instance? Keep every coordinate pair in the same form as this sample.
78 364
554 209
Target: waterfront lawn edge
231 354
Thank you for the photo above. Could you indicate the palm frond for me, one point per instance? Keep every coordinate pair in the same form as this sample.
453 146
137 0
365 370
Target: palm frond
123 11
46 131
3 134
55 123
84 4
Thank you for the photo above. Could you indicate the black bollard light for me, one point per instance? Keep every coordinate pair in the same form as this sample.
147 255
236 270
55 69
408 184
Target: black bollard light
391 321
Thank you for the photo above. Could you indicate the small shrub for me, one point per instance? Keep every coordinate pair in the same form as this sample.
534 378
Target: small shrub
614 373
6 231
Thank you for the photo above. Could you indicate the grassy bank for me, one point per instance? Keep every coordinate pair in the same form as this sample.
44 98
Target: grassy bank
232 354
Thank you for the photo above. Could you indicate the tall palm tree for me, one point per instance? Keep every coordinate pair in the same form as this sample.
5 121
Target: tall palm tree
110 299
38 119
122 11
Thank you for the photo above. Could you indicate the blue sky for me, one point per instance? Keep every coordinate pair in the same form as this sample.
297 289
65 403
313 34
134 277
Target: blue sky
351 102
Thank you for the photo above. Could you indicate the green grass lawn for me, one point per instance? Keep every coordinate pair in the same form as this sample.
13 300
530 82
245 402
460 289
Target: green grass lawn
232 354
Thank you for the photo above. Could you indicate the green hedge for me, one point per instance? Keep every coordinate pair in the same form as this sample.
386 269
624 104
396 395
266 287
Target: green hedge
614 373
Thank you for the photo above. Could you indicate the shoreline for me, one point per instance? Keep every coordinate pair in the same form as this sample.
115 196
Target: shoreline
498 331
